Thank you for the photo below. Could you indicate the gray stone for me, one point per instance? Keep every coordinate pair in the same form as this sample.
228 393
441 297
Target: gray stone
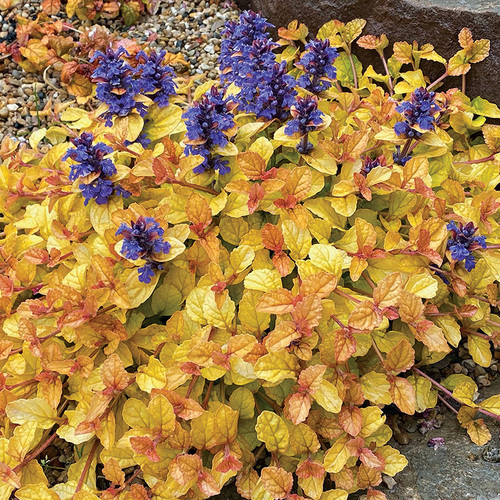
427 21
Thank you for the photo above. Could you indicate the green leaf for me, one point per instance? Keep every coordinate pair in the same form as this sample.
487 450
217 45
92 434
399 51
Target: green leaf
345 74
483 107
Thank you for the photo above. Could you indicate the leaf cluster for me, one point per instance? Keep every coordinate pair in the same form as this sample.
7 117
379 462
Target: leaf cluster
298 299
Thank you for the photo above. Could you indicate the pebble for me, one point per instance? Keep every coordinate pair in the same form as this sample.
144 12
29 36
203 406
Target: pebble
491 454
389 481
469 364
484 380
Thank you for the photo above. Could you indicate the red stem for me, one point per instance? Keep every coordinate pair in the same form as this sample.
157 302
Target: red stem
435 82
41 339
347 296
35 453
472 162
204 404
379 354
193 186
128 481
86 467
368 280
447 404
337 320
391 89
450 394
191 386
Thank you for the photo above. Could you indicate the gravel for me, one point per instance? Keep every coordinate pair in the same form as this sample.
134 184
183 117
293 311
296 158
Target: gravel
191 28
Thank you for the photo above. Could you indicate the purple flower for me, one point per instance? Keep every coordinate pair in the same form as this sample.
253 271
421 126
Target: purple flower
238 43
90 162
253 70
248 61
420 110
398 158
463 242
306 118
369 164
141 240
276 94
115 84
142 139
89 158
206 122
155 77
436 443
317 64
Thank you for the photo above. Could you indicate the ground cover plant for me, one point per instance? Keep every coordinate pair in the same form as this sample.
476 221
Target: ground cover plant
234 280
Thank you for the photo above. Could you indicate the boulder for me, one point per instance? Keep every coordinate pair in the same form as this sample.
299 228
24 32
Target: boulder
427 21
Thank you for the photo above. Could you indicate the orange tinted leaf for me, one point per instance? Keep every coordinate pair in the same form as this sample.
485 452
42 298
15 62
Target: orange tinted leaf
113 374
344 346
375 495
185 468
145 446
388 290
351 419
321 284
252 165
465 38
113 472
51 7
365 317
279 301
272 238
310 378
403 395
277 481
298 183
478 432
207 484
401 357
410 307
297 407
198 210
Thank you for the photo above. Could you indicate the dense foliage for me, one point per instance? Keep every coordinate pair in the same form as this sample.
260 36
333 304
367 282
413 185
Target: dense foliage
234 280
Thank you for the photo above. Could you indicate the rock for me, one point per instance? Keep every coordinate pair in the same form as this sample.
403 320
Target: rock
389 481
427 21
491 454
484 380
469 364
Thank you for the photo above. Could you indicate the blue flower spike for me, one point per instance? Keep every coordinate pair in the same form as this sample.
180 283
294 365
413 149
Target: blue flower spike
420 110
206 122
248 61
463 242
317 64
142 240
115 84
93 169
306 118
